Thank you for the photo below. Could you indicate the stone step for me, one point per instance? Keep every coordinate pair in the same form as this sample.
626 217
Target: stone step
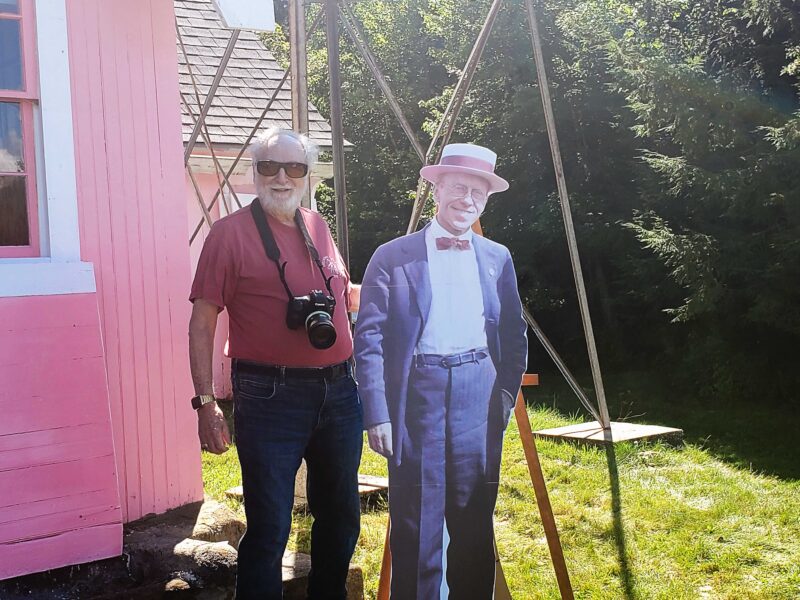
186 552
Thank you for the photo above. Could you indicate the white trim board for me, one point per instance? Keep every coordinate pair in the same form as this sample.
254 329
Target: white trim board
43 277
55 98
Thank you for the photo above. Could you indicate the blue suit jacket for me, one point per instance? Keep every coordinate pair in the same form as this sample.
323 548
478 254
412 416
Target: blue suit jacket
395 302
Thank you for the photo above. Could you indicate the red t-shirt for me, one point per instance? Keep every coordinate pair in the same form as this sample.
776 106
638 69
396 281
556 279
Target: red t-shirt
235 273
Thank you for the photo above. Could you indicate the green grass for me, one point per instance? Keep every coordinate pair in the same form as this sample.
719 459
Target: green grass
692 522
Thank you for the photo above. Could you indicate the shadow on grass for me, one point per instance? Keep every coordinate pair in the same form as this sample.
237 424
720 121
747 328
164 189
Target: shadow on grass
626 575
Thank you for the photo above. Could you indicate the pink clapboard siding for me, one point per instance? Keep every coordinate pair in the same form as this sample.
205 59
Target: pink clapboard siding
59 500
132 204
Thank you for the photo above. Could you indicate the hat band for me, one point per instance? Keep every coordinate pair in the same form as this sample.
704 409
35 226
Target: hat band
468 162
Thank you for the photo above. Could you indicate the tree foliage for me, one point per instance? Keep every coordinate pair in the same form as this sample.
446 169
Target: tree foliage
679 125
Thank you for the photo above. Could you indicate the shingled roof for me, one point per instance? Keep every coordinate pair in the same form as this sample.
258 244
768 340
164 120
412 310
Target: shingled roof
249 81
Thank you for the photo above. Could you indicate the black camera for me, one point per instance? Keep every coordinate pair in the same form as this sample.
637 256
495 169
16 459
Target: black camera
315 312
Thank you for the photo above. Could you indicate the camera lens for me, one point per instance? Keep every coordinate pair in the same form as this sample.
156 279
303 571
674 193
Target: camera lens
321 332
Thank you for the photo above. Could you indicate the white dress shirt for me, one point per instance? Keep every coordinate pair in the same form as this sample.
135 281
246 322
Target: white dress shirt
456 321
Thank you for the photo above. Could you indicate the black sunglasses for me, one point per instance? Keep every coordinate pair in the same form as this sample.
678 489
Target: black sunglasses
270 168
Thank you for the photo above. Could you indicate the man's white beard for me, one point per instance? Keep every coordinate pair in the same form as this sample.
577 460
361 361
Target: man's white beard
280 209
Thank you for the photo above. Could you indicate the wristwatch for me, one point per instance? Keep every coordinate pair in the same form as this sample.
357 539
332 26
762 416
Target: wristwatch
202 400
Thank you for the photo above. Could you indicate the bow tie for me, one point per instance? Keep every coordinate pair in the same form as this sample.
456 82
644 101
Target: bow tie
446 243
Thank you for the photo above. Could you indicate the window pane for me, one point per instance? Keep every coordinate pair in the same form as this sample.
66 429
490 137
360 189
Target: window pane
13 212
10 55
11 158
9 6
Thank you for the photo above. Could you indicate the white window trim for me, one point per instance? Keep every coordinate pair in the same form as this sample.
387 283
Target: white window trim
62 272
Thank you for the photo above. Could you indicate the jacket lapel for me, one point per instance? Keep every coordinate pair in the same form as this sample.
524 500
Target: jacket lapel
418 275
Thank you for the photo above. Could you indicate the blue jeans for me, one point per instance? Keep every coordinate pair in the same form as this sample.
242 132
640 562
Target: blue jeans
278 423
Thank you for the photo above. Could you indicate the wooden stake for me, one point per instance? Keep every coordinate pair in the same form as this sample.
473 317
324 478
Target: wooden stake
337 129
384 583
542 498
298 67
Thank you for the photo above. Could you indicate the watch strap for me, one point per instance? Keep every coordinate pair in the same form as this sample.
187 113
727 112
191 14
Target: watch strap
202 400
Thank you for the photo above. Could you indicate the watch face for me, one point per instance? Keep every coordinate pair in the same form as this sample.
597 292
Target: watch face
199 401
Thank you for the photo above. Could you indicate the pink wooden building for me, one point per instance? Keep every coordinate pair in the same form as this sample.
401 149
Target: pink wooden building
95 423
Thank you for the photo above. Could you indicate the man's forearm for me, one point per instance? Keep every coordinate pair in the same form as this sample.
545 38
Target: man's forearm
201 353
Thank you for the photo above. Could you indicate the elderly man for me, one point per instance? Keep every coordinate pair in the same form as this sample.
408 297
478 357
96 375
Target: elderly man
440 353
277 271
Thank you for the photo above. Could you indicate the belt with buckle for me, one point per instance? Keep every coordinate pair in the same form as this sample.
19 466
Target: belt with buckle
331 372
450 360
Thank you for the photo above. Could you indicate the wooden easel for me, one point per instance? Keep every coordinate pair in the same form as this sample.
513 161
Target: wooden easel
542 500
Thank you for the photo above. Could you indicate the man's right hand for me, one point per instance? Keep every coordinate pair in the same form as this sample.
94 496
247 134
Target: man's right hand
213 429
380 439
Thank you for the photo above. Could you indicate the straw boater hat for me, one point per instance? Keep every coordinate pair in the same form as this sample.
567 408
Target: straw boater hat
467 158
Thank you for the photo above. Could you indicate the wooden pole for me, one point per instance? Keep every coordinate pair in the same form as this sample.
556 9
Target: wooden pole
360 41
384 583
542 498
566 211
206 136
210 96
451 113
199 194
337 129
559 362
298 66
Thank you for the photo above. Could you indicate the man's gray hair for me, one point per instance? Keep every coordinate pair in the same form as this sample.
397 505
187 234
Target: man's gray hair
258 147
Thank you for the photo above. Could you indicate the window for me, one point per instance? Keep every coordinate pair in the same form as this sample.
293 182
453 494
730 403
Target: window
19 223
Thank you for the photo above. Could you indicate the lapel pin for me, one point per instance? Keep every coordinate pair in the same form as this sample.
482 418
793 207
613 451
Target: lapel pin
492 272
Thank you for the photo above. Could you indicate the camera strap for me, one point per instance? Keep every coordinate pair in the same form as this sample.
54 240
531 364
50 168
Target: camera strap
298 218
274 253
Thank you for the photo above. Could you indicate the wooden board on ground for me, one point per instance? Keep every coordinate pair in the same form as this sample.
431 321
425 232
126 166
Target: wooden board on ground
368 484
369 488
592 433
